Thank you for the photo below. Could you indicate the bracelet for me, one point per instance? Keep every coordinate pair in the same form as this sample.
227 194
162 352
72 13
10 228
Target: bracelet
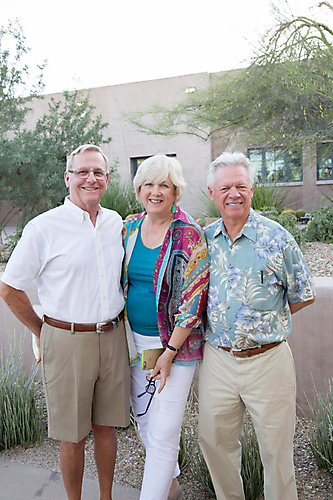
172 348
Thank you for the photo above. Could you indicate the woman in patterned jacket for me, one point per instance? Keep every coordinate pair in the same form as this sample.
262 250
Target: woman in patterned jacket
166 273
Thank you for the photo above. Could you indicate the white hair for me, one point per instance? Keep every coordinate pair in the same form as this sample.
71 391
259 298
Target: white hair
230 160
157 169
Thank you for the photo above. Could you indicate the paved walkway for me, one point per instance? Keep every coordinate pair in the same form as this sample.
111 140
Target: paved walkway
26 482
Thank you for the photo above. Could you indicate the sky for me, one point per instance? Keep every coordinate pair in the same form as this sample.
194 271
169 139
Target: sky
101 43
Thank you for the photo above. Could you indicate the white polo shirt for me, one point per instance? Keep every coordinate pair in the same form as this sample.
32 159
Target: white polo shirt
76 265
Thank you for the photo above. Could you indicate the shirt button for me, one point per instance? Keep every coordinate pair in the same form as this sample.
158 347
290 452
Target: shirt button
229 327
228 307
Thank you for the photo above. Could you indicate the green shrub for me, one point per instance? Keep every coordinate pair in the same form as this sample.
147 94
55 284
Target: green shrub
288 220
321 430
121 198
20 415
300 213
320 225
289 211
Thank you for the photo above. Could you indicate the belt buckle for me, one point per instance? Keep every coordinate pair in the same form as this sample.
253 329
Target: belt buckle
100 325
234 349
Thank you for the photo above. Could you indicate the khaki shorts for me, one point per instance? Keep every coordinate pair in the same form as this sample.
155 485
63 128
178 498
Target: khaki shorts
86 377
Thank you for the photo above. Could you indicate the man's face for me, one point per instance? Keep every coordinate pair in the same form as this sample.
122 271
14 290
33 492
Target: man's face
232 193
87 193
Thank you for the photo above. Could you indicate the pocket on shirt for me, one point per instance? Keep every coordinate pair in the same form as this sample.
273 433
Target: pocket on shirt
270 292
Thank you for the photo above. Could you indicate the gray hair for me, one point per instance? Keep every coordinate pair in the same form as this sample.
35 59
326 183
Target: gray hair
156 169
81 149
229 160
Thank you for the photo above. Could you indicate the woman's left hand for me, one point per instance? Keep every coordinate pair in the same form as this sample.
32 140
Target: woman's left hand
162 368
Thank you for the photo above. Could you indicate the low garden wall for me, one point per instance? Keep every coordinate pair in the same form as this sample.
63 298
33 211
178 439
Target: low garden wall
311 340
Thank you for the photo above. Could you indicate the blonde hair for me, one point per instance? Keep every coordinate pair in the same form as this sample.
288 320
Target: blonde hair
157 169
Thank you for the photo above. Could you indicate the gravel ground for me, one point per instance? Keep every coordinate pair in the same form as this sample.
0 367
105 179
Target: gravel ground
311 483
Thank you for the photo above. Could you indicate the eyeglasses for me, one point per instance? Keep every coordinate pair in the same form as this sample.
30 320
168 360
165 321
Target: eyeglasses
149 389
84 173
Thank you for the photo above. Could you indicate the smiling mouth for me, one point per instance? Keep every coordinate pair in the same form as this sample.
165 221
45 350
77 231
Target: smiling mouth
234 204
155 201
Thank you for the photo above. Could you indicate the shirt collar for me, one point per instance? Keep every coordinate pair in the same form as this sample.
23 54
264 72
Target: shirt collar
249 230
78 213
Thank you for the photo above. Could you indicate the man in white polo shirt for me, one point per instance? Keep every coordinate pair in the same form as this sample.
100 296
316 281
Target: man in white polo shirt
74 252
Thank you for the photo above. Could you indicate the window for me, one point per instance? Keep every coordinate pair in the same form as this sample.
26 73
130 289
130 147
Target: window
135 163
276 165
324 162
137 160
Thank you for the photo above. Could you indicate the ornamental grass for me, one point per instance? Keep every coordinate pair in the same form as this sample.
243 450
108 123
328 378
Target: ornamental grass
321 428
20 413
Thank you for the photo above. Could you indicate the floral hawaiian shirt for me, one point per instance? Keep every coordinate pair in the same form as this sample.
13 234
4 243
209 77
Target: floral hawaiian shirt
252 279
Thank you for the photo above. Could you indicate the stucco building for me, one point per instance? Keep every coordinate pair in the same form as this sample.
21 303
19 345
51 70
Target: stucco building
307 175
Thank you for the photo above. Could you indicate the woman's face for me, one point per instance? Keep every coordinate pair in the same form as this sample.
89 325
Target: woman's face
158 198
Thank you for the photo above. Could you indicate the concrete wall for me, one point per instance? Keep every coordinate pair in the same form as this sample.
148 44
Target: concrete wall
311 340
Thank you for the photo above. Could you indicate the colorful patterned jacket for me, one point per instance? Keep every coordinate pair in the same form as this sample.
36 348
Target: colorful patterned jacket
181 277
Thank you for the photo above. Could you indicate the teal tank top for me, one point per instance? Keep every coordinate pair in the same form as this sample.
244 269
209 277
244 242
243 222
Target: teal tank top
141 306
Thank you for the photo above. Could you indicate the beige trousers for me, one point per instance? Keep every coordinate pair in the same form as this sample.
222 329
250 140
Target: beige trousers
264 384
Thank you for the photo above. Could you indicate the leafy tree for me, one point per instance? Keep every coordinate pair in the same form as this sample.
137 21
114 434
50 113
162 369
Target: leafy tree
32 160
284 97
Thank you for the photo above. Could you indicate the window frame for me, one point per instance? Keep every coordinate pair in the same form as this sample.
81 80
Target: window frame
134 162
329 147
282 155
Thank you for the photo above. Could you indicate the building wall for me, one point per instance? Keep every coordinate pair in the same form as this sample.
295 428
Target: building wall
194 154
127 142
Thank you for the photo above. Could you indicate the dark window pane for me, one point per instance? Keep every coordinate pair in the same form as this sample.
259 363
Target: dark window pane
324 162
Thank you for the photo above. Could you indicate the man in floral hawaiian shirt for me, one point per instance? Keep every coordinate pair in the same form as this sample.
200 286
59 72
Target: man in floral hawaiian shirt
258 278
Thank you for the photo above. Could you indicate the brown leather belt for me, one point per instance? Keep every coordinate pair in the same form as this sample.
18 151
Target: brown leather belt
101 327
246 353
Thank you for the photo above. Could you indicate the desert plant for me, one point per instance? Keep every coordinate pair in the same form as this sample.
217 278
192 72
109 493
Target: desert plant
289 211
121 198
300 213
321 429
20 415
267 195
209 209
320 225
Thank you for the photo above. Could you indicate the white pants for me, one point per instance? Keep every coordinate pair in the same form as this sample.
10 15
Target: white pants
265 384
161 426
